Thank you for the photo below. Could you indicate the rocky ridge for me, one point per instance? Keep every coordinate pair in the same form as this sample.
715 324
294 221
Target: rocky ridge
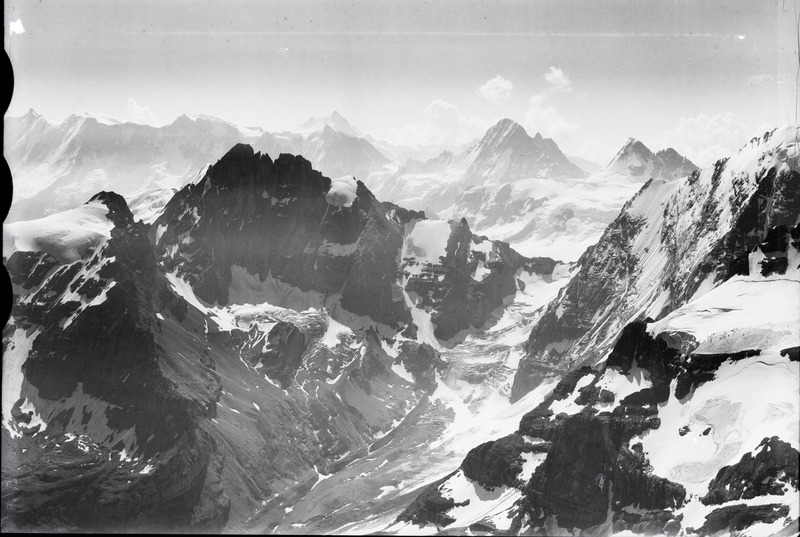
675 240
647 437
235 370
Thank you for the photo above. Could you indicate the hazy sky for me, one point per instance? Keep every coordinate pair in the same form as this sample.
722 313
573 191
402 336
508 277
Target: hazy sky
703 76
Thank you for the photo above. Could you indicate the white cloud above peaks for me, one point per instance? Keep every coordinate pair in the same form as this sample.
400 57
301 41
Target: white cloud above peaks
542 115
557 80
496 89
704 139
442 124
547 119
140 114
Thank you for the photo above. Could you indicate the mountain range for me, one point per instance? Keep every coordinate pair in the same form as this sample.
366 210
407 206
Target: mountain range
524 190
491 341
57 167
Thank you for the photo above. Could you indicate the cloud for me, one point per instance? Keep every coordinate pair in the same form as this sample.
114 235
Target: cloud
546 119
442 124
557 80
705 139
496 89
15 27
140 114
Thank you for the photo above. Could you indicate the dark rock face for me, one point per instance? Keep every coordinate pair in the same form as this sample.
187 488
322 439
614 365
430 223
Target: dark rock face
405 216
766 219
591 464
566 484
113 291
272 219
775 249
792 352
253 218
29 269
282 354
430 507
422 361
182 429
658 523
636 346
734 518
570 317
699 368
769 471
590 468
496 463
635 485
458 300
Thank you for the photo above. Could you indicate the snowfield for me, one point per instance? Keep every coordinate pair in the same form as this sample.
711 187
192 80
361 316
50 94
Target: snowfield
749 399
65 236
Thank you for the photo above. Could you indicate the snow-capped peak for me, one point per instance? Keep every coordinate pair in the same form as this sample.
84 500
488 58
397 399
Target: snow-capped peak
100 118
185 120
335 121
506 131
507 152
632 158
636 160
65 235
26 122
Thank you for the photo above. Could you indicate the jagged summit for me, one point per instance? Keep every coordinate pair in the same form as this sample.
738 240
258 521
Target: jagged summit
118 211
240 150
243 166
31 120
632 158
508 152
334 121
336 152
506 132
110 199
637 160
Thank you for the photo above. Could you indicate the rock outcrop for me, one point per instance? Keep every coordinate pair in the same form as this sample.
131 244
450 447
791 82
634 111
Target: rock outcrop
422 361
771 467
272 220
497 462
471 278
98 378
